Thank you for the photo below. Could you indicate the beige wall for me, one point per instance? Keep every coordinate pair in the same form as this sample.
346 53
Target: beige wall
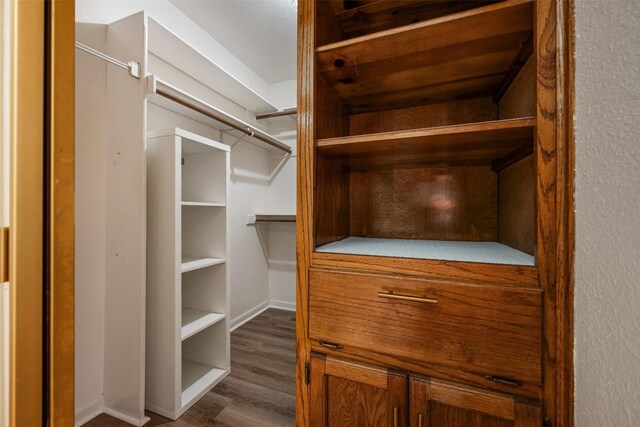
607 269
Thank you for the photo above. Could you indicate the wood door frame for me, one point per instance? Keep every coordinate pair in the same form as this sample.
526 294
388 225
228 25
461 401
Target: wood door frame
555 44
60 230
42 238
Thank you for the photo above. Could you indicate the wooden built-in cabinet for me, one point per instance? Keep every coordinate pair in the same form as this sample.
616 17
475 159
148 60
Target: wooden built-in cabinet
433 223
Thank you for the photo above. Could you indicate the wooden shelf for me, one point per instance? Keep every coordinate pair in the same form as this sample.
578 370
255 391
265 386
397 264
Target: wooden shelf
275 218
197 379
205 204
193 321
191 263
379 15
476 143
464 55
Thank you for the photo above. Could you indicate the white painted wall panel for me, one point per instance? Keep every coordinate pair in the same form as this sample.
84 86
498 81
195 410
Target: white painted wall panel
90 200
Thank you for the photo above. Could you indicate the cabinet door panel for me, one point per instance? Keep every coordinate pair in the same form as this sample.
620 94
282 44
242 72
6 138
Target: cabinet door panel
348 394
437 403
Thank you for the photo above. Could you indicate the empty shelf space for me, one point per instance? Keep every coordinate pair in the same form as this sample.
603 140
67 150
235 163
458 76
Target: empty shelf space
193 321
197 379
484 252
476 143
210 204
192 263
463 55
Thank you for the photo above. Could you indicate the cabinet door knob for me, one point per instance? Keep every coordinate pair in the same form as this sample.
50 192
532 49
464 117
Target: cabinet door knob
419 420
395 416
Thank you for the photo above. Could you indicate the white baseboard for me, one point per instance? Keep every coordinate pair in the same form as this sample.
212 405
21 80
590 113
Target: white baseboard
258 310
126 418
89 412
282 305
248 315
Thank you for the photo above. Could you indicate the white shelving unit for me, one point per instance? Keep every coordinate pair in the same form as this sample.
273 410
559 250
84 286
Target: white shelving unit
187 275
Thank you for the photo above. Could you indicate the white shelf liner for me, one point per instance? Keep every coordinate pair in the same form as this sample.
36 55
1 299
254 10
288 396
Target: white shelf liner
486 252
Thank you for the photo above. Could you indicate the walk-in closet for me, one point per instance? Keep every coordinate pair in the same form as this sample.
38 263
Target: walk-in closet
185 212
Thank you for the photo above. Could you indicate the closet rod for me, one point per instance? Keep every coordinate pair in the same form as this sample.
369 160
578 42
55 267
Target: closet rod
279 113
183 98
132 67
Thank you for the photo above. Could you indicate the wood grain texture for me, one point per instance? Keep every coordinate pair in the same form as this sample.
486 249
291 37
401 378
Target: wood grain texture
520 98
476 143
426 55
480 328
516 205
447 203
61 238
353 394
369 16
260 389
423 116
331 201
432 269
304 196
453 405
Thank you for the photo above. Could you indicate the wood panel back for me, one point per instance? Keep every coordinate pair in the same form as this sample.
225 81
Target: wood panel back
331 201
439 203
520 99
516 205
432 115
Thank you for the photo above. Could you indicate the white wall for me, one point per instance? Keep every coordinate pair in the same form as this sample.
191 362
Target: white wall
90 213
607 262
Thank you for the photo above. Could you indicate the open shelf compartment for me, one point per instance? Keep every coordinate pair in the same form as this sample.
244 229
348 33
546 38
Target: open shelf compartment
461 55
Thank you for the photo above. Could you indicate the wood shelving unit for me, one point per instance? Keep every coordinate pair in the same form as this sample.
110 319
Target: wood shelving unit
432 212
451 57
188 279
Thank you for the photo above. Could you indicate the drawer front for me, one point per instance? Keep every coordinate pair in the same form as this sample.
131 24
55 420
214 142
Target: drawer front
488 330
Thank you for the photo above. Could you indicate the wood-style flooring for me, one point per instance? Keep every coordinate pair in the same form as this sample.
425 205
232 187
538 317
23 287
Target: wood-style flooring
260 391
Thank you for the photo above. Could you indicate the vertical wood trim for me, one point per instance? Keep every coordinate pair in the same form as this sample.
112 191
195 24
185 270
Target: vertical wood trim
419 396
304 225
26 214
397 389
546 162
565 214
318 386
554 153
61 239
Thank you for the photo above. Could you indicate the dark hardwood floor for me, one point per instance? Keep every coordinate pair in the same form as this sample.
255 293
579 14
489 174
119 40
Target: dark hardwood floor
260 391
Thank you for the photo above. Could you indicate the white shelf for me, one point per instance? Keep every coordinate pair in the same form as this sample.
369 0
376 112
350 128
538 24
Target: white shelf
485 252
198 379
210 204
191 263
193 321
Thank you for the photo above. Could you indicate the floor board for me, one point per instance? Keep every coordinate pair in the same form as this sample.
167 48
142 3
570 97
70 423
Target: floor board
260 390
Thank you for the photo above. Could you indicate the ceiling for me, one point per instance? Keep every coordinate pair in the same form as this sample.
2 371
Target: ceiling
260 33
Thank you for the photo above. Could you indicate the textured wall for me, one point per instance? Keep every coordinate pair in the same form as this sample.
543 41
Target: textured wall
607 290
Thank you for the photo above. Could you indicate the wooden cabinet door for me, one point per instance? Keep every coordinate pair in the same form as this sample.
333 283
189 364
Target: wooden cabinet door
349 394
437 403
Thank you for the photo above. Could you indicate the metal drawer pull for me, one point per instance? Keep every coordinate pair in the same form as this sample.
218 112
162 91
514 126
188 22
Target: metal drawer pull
503 380
331 345
391 295
419 420
395 416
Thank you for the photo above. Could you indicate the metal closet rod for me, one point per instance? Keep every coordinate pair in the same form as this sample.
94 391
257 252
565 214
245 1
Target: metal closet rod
279 113
183 98
132 67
